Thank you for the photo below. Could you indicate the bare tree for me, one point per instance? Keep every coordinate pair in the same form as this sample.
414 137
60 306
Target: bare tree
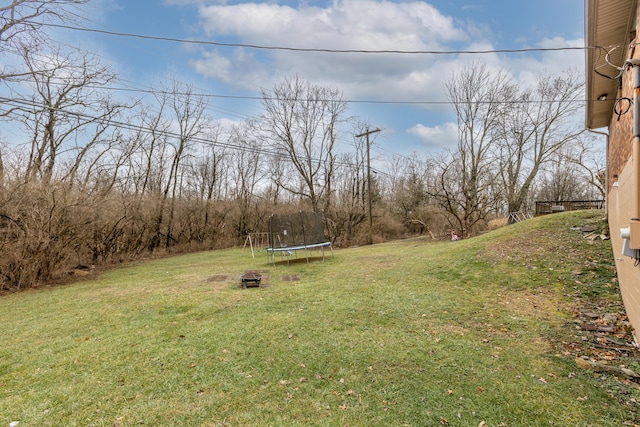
246 172
68 112
24 18
209 173
410 195
590 160
532 128
349 201
23 26
561 179
186 110
463 186
302 121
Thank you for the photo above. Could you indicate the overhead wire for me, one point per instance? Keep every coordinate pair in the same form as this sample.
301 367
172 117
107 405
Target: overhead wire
124 125
303 49
296 49
349 101
607 62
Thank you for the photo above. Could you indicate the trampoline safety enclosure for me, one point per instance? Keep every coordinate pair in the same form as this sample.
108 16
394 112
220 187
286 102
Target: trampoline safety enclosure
301 231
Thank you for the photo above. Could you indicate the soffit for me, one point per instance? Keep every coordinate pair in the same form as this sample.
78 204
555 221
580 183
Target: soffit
608 23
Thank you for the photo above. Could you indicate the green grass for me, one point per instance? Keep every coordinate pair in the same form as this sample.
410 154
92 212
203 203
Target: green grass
406 333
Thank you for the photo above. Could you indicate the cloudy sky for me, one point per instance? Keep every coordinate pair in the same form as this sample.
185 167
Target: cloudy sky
391 91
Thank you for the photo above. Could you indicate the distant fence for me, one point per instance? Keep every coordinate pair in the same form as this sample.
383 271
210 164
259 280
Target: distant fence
549 207
517 217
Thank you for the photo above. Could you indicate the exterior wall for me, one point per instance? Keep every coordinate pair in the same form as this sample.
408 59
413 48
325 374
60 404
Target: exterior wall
620 165
619 205
620 134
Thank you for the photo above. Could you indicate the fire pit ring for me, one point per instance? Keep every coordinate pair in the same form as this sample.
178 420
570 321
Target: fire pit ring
250 279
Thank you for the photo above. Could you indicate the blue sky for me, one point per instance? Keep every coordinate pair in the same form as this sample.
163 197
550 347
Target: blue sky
440 25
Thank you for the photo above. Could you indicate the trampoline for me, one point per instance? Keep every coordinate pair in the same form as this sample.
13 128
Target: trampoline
289 234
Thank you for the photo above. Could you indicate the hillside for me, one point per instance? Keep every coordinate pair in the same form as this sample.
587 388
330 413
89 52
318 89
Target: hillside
494 331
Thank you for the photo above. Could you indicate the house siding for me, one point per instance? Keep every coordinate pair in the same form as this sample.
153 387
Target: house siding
620 196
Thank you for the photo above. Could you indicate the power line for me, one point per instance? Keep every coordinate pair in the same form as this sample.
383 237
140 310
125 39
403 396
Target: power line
349 101
316 50
203 93
21 103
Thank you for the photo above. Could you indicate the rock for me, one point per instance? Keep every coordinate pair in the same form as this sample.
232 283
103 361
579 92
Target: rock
582 364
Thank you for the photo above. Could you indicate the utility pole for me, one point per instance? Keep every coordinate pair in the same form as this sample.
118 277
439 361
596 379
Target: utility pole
367 133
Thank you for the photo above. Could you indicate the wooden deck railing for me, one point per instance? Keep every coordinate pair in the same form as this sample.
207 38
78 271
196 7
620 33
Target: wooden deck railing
548 207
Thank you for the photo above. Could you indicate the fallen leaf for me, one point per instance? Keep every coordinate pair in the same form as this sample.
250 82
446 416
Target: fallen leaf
444 421
449 391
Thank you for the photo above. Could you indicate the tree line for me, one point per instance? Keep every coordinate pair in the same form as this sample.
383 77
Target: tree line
89 178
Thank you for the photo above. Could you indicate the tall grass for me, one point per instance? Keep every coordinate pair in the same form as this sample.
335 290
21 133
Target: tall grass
406 333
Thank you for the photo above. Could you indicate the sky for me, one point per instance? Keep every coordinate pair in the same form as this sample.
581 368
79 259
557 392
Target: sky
385 89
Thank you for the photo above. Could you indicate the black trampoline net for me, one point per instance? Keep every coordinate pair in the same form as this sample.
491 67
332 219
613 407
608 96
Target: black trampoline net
301 229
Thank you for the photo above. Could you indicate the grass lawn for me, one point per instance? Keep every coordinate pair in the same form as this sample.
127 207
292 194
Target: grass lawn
408 333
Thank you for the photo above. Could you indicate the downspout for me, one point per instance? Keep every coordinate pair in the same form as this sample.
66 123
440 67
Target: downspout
606 175
634 226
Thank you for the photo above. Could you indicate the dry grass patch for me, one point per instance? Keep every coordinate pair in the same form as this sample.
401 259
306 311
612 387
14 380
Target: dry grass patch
542 304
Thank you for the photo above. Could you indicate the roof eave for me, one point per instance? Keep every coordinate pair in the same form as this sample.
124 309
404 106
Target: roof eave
608 23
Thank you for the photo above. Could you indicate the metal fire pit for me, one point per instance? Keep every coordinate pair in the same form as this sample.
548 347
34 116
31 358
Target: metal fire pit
250 279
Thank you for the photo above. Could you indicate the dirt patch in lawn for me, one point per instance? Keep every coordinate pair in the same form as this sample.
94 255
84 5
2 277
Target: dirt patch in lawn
539 305
217 278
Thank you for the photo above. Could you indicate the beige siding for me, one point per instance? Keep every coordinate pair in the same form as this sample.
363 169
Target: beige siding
620 165
619 204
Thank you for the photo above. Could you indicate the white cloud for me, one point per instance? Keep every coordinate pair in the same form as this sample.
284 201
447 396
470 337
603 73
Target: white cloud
229 69
526 68
364 25
342 25
436 138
